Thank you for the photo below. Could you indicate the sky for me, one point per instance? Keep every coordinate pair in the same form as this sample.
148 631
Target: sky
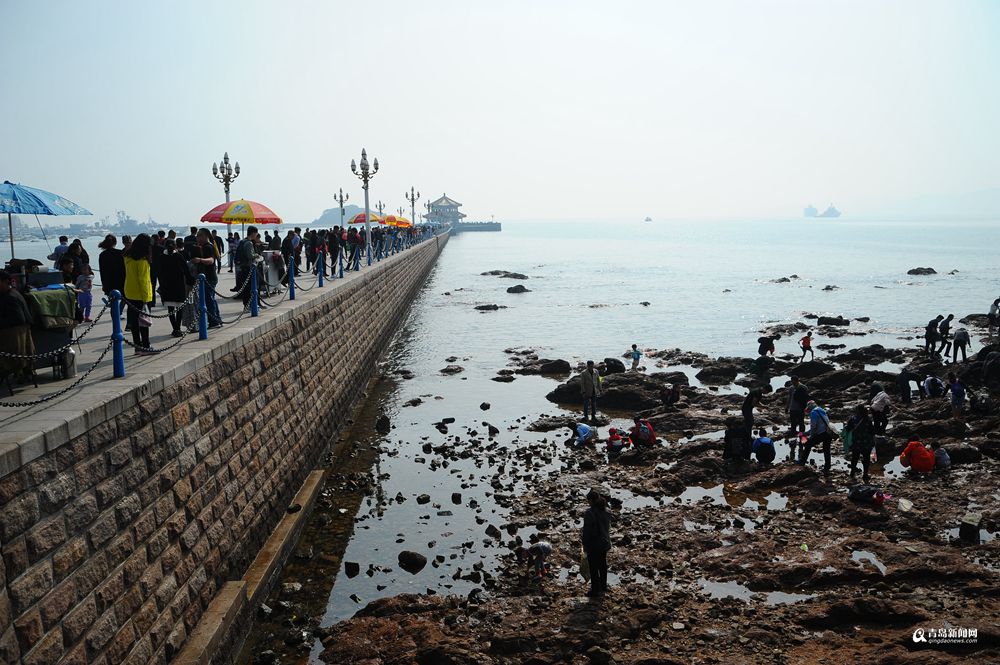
518 109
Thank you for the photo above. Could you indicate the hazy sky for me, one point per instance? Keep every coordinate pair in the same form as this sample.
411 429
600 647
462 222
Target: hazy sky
518 109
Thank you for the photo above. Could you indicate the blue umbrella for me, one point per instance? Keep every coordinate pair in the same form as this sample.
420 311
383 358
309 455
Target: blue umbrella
21 200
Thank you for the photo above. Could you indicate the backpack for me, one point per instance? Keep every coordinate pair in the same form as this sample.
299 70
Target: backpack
644 432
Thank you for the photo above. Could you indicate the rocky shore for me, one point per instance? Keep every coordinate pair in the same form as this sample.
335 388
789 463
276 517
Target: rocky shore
713 562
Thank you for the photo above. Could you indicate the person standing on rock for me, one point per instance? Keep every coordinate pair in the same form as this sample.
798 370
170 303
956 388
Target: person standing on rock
956 391
862 441
962 342
596 541
819 433
806 345
881 406
993 317
944 335
590 389
903 384
798 397
636 356
930 335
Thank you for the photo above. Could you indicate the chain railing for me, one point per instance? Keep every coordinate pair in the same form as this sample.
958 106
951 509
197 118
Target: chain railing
61 349
63 391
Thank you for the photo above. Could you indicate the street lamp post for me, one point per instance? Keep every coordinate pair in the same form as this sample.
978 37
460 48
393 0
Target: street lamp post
225 173
380 207
341 199
365 175
427 207
412 197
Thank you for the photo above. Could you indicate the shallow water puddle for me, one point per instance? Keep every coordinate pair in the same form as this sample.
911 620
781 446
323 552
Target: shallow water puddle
984 535
862 556
724 495
718 590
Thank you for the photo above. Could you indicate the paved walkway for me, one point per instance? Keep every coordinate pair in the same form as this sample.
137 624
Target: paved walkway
28 432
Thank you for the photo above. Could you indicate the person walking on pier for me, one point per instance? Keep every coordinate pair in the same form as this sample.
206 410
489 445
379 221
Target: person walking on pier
246 260
595 537
590 390
175 281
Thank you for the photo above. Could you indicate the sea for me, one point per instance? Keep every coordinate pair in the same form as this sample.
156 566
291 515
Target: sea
596 288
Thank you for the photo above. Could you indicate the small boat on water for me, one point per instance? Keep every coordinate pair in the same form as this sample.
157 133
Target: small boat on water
648 219
830 212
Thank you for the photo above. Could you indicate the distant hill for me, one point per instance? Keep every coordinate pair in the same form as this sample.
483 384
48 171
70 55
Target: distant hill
331 216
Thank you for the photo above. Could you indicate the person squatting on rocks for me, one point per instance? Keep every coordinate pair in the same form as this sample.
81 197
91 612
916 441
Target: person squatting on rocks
942 460
642 433
763 448
806 345
819 433
590 390
961 341
881 407
671 396
595 537
537 554
903 384
616 444
636 356
931 335
933 387
581 433
917 457
862 440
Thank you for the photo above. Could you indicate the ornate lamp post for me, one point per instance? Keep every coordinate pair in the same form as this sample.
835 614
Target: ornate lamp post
380 207
365 175
412 197
341 199
225 173
427 207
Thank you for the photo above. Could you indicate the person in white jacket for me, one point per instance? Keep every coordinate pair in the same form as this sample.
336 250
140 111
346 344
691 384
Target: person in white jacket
881 405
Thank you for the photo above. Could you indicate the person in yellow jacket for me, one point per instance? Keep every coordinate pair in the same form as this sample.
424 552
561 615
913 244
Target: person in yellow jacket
138 292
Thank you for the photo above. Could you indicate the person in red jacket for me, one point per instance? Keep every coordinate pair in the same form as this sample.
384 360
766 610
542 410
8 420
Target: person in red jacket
642 434
918 457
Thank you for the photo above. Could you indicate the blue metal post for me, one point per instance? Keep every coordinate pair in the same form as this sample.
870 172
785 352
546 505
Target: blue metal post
202 309
291 277
322 266
254 292
117 346
340 256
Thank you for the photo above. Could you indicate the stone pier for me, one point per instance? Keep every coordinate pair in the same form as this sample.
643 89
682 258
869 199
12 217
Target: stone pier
131 516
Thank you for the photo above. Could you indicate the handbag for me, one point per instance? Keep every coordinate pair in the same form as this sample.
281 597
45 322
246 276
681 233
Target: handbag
145 320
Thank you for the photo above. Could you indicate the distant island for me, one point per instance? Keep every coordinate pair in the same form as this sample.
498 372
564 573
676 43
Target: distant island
831 211
331 216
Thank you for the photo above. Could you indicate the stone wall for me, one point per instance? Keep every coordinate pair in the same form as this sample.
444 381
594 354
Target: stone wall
115 543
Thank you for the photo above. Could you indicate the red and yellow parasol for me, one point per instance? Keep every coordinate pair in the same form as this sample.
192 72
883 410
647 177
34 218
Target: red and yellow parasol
241 212
360 219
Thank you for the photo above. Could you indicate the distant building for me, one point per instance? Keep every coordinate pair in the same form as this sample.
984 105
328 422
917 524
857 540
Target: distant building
810 211
444 211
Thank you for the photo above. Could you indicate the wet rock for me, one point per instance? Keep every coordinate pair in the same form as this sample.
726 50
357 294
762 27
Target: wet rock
811 369
416 401
645 303
833 321
424 498
968 528
490 307
553 423
978 320
352 568
921 271
781 280
493 532
291 587
633 391
485 406
873 611
545 366
512 643
503 378
267 657
383 425
613 366
456 498
963 453
412 562
452 369
491 430
518 288
505 274
830 287
718 374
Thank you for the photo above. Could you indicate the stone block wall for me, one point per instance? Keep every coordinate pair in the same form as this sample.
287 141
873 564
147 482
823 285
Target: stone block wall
114 543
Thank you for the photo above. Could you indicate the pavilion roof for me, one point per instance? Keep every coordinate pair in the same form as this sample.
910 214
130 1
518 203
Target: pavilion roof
445 201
